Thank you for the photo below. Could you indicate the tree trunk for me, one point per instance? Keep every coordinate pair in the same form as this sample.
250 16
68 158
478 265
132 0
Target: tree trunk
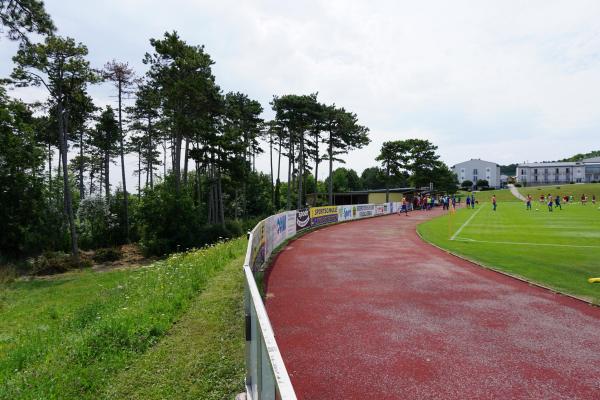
107 175
299 202
177 163
387 183
67 188
81 187
220 204
164 145
185 162
49 163
278 182
123 178
140 171
289 182
271 163
330 154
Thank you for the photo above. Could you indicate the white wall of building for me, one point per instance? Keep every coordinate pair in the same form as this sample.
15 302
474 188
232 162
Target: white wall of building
476 169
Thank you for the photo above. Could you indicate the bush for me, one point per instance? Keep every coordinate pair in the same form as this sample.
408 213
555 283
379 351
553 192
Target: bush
518 185
108 254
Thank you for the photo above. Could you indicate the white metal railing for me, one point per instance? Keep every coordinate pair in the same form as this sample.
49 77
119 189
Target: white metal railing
266 375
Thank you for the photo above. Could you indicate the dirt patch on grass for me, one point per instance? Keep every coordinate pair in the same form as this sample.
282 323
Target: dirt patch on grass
132 257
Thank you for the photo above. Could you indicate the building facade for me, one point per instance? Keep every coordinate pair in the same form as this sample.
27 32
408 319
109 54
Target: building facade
548 173
476 169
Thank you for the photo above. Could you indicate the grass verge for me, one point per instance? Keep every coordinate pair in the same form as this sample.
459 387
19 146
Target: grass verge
69 336
202 356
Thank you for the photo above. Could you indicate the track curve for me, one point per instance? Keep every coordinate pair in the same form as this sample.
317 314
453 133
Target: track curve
368 310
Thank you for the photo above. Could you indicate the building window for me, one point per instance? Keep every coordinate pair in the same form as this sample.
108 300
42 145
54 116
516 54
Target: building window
545 170
557 170
462 170
555 178
474 171
487 170
567 170
523 171
535 170
535 178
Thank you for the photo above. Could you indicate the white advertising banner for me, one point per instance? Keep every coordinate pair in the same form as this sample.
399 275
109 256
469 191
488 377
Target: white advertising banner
276 231
346 213
291 224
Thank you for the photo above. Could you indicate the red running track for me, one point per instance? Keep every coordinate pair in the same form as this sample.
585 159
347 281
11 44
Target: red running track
366 310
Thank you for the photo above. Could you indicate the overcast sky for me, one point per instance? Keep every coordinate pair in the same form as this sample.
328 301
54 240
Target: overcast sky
505 81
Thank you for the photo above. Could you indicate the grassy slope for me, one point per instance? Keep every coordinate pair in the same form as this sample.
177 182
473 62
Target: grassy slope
501 195
202 357
565 269
576 190
69 336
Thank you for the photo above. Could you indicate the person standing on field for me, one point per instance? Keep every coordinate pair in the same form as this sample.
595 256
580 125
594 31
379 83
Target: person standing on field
528 202
468 201
557 202
494 202
472 200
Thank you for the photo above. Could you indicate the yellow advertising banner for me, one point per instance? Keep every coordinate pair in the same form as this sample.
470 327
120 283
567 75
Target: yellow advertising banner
316 212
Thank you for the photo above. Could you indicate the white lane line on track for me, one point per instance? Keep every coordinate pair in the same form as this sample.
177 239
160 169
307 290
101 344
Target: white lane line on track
529 244
466 223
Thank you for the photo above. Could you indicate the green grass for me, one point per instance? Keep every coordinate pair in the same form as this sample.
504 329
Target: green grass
486 195
576 190
71 337
543 247
203 355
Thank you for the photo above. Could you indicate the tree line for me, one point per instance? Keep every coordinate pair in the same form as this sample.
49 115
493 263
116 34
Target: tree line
195 148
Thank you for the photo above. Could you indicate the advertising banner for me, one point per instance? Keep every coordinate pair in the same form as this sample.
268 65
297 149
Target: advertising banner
291 223
258 249
323 215
276 231
346 213
302 219
365 210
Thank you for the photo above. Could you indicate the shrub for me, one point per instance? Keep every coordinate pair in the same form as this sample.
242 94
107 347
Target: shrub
108 254
518 185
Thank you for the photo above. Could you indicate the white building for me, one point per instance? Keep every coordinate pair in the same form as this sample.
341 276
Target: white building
548 173
476 169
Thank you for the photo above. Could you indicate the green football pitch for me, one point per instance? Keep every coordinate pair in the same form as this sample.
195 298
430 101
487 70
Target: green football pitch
559 249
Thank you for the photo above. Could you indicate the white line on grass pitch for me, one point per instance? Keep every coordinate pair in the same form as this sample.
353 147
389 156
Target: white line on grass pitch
528 244
465 224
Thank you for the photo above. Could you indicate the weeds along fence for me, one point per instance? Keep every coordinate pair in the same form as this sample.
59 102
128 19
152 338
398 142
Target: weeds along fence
266 375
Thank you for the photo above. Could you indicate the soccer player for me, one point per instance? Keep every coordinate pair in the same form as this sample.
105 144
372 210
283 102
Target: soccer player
472 200
557 202
494 202
550 204
468 201
583 199
528 202
404 207
593 199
